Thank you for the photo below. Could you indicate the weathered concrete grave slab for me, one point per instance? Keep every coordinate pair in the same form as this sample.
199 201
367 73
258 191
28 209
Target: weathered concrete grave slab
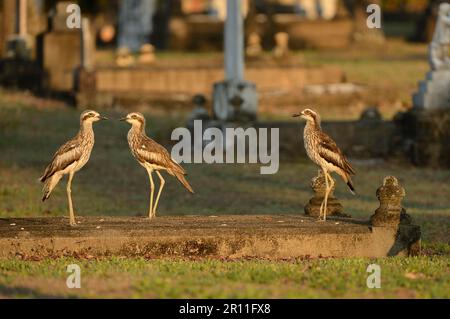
275 237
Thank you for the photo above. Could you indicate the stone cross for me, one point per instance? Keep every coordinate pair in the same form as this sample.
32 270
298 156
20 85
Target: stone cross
87 45
234 99
234 42
334 207
390 213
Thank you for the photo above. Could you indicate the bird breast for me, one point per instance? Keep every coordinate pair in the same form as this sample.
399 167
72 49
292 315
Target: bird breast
311 140
87 145
134 139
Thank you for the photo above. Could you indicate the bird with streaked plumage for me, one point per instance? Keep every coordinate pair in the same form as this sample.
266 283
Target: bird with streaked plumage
70 158
324 152
153 157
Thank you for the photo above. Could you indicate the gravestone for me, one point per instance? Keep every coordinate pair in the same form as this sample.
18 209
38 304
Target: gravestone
434 91
66 49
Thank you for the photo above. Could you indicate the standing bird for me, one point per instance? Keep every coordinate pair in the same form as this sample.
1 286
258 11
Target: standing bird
70 158
153 157
323 151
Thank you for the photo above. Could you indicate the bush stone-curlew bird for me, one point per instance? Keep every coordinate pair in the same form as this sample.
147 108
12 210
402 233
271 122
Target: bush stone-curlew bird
70 158
153 157
324 152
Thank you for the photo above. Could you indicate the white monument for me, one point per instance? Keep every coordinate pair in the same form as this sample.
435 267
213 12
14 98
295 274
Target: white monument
438 51
234 98
434 91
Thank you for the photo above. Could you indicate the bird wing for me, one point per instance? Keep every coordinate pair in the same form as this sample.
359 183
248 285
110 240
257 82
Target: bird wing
67 154
331 153
151 152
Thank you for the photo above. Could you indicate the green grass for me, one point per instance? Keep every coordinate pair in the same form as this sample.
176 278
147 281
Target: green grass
419 277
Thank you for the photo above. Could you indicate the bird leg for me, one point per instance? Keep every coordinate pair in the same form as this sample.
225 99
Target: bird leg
321 210
152 191
69 198
325 200
329 189
331 183
161 185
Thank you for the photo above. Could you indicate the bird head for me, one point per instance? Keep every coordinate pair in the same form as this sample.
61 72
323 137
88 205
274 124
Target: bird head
308 115
90 116
135 119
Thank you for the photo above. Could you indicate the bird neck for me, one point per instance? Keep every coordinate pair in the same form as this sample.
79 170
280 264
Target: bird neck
312 125
138 129
86 128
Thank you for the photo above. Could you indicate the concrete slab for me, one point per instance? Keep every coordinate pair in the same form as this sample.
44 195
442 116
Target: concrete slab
274 237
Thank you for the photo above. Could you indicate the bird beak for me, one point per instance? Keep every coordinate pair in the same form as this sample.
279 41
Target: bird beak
296 115
103 118
123 119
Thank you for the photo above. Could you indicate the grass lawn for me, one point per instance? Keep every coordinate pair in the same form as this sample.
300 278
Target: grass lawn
419 277
113 184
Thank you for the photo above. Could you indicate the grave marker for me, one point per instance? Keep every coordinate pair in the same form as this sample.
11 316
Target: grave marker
434 92
234 98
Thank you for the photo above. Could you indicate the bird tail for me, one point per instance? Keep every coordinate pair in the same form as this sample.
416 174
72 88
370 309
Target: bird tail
183 181
49 185
350 185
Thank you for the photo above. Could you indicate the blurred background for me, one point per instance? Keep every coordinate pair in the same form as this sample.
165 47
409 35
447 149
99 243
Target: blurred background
166 59
130 50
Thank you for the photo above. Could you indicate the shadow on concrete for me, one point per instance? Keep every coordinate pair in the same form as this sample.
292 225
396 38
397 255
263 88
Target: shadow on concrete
407 239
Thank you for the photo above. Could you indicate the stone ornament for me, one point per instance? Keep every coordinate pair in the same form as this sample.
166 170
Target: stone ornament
281 49
124 58
147 54
390 212
254 48
334 207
